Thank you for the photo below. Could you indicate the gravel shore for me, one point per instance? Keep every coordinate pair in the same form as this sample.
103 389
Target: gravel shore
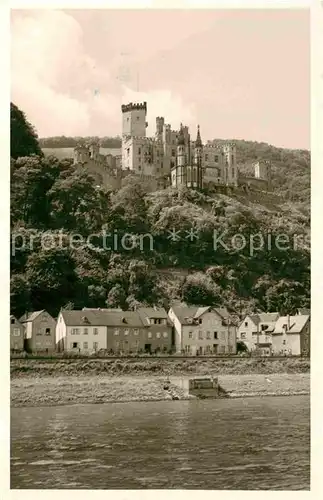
85 389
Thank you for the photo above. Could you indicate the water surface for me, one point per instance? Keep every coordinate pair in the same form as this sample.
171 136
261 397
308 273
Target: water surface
252 443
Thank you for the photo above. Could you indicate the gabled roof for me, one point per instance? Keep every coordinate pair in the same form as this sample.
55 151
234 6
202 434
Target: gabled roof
25 318
146 313
185 313
261 318
296 323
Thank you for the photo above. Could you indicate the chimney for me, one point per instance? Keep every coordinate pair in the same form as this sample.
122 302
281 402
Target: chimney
288 322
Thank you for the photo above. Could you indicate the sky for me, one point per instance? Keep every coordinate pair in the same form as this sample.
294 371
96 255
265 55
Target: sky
239 74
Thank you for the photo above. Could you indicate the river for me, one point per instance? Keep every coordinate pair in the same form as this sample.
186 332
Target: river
237 444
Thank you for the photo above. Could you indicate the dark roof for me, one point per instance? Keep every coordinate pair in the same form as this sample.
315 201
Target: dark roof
97 317
152 312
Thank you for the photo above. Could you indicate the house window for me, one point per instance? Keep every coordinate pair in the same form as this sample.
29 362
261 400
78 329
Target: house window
39 332
136 331
75 331
284 342
173 152
116 331
200 334
158 335
85 345
121 345
188 349
128 151
243 335
190 335
126 332
74 345
150 335
208 335
117 345
12 321
85 331
47 331
16 332
200 321
136 345
216 158
165 335
215 335
95 331
95 345
207 349
264 327
230 349
221 349
139 151
206 157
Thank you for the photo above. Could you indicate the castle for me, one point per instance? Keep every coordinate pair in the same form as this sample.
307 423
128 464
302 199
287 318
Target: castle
170 158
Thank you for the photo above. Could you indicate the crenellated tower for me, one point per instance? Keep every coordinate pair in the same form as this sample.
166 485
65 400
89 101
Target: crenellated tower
134 119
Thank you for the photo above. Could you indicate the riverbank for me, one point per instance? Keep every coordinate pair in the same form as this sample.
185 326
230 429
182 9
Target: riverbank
155 366
55 391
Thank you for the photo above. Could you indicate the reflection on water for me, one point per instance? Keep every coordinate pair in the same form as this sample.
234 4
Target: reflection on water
255 443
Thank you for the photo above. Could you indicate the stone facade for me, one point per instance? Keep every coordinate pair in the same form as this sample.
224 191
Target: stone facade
170 157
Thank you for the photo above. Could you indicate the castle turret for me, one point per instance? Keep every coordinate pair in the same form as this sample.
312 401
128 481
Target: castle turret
134 119
230 168
197 169
181 148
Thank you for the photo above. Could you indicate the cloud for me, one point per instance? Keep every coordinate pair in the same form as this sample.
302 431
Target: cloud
51 72
64 91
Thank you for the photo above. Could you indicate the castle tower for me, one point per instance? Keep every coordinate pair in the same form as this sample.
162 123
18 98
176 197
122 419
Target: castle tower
94 150
178 172
160 121
197 168
230 167
134 119
263 171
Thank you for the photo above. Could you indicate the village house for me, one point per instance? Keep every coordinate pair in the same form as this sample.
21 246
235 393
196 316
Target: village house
255 331
39 331
203 330
81 330
16 335
159 329
291 335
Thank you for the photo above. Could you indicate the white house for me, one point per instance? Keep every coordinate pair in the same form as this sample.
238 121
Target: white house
203 330
291 335
255 331
81 331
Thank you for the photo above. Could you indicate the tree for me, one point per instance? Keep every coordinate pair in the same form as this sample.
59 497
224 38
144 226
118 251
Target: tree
23 137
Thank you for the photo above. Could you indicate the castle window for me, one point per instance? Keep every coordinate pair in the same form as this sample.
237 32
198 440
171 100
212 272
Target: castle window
161 164
232 172
206 157
216 158
127 118
137 118
232 159
128 151
139 151
173 152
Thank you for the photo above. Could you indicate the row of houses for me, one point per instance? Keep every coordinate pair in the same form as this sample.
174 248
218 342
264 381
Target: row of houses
184 330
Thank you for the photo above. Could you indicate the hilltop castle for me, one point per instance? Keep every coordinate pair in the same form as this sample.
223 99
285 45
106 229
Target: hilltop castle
168 158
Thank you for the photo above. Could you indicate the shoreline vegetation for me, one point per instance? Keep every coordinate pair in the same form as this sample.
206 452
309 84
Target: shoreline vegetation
37 383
